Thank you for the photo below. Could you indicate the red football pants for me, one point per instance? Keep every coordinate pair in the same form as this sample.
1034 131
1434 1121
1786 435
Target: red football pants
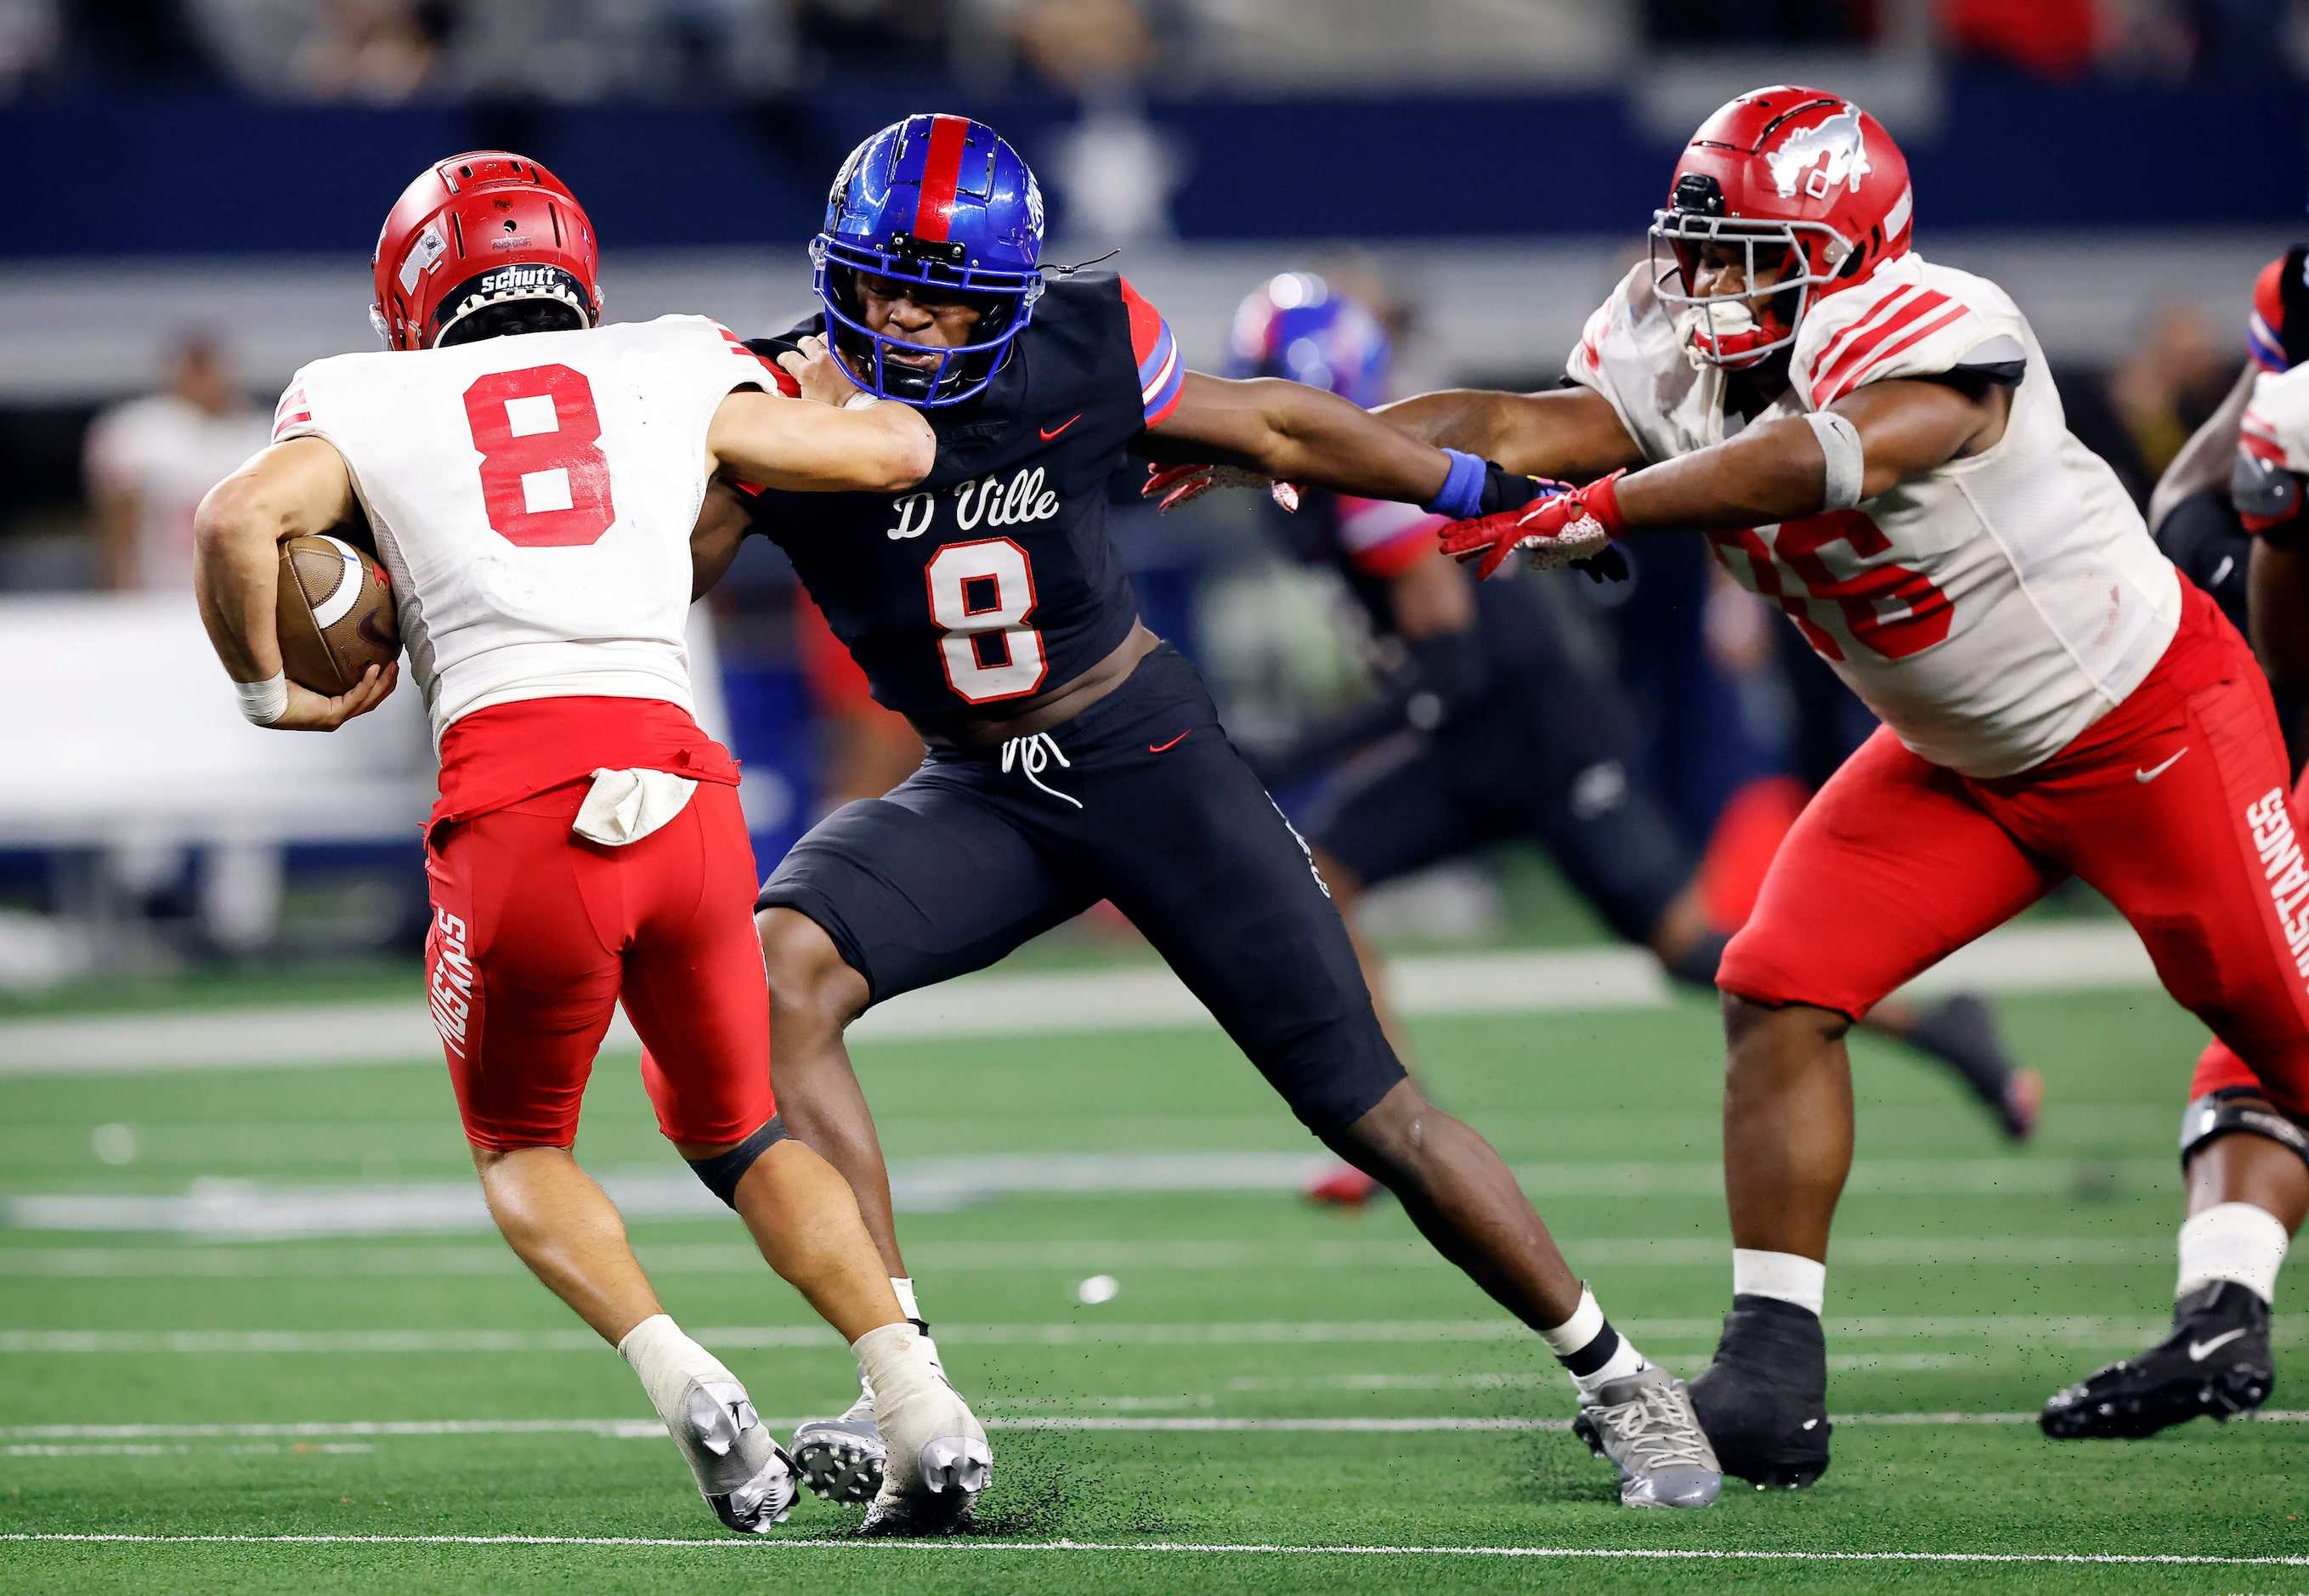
2172 805
2219 1065
536 935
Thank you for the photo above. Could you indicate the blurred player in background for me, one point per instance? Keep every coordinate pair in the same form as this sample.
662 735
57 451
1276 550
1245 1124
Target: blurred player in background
2245 1151
1073 754
1874 443
150 460
148 463
1494 732
531 479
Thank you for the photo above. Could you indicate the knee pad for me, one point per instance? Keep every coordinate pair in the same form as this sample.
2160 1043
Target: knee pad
2234 1108
724 1171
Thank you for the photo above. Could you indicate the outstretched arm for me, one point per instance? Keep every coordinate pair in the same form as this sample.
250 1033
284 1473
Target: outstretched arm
290 490
1294 432
1867 443
1780 470
1571 435
808 446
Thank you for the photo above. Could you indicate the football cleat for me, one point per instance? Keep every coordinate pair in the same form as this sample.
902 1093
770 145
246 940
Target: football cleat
841 1459
1763 1400
2215 1362
744 1475
935 1456
1343 1186
1644 1426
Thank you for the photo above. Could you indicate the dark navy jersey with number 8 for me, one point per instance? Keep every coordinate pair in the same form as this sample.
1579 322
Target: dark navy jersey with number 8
993 580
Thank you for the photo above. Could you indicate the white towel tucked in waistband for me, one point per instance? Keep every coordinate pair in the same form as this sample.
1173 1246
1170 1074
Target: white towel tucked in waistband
626 806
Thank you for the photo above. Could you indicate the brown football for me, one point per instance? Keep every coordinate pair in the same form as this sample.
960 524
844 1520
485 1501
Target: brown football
336 616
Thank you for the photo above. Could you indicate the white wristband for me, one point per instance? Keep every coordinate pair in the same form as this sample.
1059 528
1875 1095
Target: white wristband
860 400
1847 466
264 701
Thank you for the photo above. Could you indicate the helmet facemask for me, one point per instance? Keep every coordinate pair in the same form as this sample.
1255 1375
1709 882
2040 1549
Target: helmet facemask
1728 330
951 373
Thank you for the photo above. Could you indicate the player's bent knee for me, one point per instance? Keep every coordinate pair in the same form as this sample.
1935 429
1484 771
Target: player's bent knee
1749 1025
2233 1110
807 972
721 1171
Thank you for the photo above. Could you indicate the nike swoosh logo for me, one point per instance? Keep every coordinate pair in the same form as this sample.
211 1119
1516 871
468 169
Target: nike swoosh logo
1050 432
2150 775
1174 742
2201 1351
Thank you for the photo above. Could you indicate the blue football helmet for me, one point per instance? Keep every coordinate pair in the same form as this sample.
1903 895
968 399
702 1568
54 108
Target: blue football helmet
1299 326
942 201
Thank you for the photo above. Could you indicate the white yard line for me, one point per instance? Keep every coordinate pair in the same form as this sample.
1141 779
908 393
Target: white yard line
934 1258
2016 958
762 1545
27 1436
227 1209
2065 1330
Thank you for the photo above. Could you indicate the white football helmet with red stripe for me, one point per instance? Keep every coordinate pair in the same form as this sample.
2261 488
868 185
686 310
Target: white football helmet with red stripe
1807 186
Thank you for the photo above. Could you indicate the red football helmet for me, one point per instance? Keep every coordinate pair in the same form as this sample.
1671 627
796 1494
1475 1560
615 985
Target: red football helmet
1813 190
482 230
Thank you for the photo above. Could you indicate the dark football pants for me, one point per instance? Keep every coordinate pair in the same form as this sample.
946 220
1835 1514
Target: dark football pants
1545 753
1142 801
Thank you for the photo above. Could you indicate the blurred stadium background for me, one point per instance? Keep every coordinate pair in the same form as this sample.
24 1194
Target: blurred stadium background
192 188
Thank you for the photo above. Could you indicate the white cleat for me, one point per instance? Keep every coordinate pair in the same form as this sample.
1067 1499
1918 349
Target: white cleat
841 1459
935 1457
742 1472
1644 1426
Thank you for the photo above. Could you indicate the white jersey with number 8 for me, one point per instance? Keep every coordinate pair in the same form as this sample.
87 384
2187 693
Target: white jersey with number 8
533 499
1989 610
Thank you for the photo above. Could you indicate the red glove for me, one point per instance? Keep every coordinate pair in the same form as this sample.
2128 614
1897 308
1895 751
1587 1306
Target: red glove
1575 527
1174 485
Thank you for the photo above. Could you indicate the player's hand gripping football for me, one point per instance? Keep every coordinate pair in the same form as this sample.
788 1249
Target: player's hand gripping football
1173 485
1562 526
310 711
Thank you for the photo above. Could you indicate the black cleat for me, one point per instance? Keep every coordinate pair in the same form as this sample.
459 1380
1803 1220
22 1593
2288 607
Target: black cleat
1961 1030
2215 1362
1763 1401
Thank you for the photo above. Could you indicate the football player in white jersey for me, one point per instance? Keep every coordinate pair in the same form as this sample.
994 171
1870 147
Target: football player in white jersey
1874 443
534 499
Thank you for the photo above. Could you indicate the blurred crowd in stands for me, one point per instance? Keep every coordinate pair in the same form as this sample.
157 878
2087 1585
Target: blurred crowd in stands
392 51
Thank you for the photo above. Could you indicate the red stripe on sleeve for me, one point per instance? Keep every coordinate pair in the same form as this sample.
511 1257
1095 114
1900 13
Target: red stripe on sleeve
1857 353
1145 323
1833 349
941 171
1954 315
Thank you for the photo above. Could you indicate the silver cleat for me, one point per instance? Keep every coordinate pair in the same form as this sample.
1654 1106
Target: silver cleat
841 1459
1644 1426
742 1472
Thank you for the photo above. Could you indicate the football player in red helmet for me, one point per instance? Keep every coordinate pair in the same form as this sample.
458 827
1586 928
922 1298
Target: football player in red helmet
1873 442
485 232
535 498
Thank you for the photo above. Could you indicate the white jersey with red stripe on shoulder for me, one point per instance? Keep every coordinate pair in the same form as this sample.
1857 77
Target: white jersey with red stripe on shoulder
1988 610
533 497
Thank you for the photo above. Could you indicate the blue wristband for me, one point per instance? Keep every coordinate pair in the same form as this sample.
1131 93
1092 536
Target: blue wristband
1461 496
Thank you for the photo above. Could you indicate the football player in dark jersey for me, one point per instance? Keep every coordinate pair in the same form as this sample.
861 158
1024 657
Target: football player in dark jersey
1493 730
1074 755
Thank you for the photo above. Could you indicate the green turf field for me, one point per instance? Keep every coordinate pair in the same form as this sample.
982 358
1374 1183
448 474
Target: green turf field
1236 1393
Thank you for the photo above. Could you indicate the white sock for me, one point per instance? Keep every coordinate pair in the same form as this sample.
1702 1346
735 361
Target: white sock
1790 1277
903 1288
667 1360
1591 1351
2232 1241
